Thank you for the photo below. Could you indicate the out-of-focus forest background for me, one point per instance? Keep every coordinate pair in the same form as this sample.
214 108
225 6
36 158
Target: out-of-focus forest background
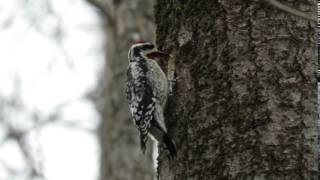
63 113
50 60
52 71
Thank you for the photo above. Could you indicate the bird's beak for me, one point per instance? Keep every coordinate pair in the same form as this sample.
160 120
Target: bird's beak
157 54
161 54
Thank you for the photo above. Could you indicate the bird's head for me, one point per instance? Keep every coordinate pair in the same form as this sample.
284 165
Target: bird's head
144 49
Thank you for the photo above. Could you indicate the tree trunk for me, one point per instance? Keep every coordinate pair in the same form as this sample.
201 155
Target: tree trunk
121 157
244 106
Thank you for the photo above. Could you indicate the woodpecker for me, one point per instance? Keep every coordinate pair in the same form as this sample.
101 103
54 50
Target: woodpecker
147 92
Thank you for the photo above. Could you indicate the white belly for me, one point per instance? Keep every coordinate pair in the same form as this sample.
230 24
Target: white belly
158 81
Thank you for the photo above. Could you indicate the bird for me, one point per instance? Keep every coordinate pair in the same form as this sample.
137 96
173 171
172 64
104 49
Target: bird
147 93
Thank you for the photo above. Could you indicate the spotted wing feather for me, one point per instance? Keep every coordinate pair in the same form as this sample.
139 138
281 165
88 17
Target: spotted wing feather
141 100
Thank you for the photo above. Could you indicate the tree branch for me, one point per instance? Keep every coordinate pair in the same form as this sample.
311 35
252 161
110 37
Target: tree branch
103 8
291 10
31 161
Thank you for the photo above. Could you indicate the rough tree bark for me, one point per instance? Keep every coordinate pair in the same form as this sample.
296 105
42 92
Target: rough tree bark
121 157
245 101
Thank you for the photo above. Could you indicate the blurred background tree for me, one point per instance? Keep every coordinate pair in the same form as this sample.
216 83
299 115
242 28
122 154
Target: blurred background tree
124 22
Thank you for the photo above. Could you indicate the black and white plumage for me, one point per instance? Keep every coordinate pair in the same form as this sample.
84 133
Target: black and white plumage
147 91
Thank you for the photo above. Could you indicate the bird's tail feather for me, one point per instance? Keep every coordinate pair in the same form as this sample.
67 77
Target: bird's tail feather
170 144
143 141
